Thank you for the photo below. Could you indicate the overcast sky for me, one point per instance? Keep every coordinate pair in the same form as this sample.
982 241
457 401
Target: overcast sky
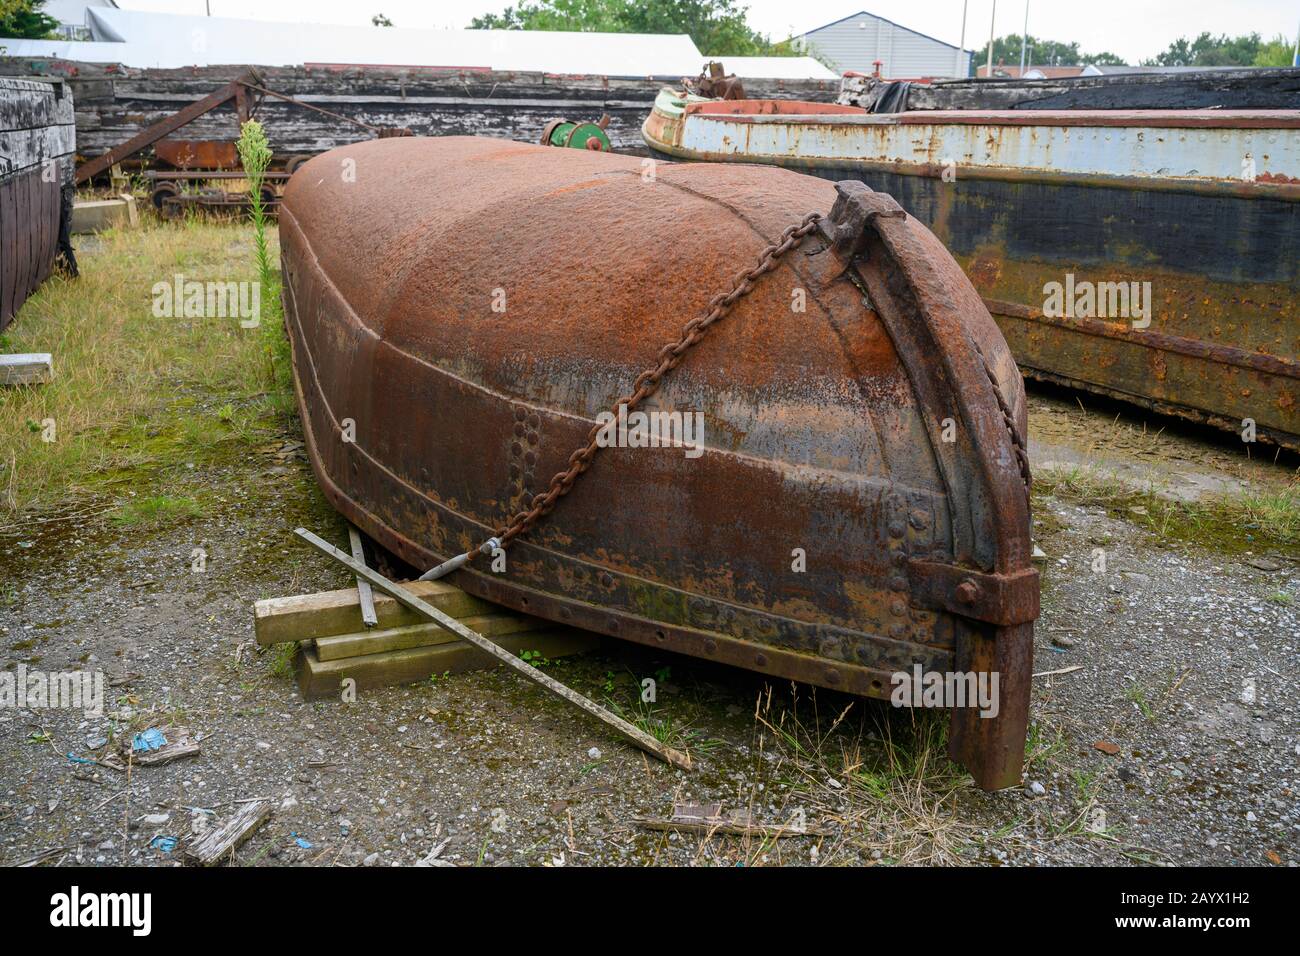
1133 29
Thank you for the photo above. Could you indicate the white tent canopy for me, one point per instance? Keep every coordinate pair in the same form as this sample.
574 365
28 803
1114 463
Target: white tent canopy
142 39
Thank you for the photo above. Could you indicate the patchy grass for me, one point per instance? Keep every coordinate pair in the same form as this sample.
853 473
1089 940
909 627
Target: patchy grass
139 400
1255 520
156 511
883 777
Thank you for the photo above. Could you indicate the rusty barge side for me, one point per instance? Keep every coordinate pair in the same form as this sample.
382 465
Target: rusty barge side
1027 199
432 417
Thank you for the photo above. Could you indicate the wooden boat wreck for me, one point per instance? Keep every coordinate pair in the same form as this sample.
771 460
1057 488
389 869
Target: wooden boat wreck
1057 216
466 314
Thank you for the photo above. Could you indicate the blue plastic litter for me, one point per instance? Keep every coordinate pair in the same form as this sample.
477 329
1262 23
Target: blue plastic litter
300 841
75 759
164 843
150 739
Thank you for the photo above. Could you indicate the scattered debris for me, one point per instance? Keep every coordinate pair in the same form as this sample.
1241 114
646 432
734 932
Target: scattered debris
221 841
432 858
164 844
41 857
1063 670
709 819
1265 562
151 739
1106 747
144 749
29 368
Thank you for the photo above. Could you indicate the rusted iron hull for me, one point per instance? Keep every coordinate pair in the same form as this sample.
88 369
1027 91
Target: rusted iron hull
822 426
1222 259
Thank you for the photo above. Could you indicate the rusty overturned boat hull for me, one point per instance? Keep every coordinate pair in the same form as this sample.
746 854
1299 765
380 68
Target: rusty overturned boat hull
1204 205
462 310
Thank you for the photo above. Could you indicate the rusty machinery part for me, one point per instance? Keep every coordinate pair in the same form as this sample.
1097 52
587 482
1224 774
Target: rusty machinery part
293 162
715 83
577 135
197 153
161 197
648 382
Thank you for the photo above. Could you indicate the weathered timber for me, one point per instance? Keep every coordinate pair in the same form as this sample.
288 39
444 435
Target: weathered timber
375 641
31 368
306 616
220 842
96 215
37 146
116 103
319 679
634 734
1208 89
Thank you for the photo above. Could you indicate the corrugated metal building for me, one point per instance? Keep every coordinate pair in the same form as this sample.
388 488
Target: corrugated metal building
857 42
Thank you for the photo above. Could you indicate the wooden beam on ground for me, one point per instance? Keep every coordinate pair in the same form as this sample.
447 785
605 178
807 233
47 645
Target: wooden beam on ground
219 842
365 595
319 679
28 368
378 640
634 734
303 617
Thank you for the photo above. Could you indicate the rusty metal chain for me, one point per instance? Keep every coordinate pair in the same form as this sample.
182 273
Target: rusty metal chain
647 383
1022 454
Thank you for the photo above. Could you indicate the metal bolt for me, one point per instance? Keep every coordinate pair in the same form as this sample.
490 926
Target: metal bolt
967 592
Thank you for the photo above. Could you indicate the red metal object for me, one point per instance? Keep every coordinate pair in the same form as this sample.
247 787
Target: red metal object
829 532
197 153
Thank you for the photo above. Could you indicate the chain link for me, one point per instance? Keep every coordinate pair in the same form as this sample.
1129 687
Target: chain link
648 382
1022 455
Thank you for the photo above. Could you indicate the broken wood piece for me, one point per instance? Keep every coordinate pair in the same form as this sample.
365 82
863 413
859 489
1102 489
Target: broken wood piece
303 617
709 819
26 368
318 679
179 744
219 842
1064 670
634 734
365 595
422 635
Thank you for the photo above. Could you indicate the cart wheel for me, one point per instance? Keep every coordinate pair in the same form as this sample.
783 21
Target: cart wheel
294 162
161 193
268 197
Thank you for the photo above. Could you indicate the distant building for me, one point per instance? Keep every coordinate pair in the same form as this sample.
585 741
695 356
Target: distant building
71 15
858 42
1032 72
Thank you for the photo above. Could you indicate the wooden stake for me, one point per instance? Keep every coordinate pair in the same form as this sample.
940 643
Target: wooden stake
634 734
364 594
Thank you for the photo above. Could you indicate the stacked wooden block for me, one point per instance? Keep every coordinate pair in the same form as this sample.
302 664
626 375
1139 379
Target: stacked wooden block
402 647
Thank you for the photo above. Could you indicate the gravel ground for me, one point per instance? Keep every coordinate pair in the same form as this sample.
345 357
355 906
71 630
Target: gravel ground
1187 673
